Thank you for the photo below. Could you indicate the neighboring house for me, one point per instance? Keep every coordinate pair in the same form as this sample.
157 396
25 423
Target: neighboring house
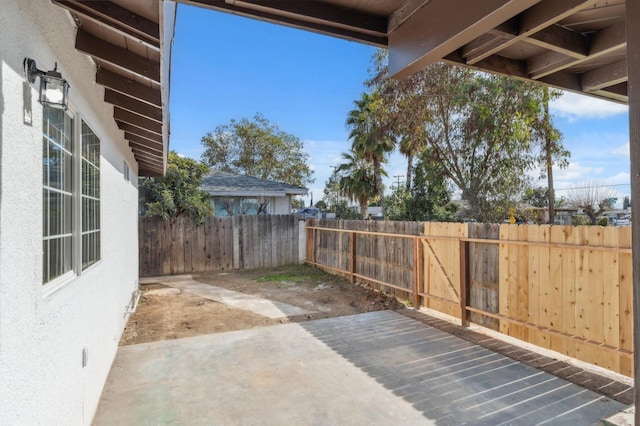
233 194
69 194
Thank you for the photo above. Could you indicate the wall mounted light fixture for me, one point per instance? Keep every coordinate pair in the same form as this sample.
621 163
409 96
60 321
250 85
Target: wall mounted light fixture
54 89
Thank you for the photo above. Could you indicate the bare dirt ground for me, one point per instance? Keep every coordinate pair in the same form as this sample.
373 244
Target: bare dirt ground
167 313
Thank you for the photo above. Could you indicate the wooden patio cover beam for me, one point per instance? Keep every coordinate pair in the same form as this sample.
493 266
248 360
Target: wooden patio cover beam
118 57
136 120
608 40
539 17
133 105
129 87
310 15
139 131
117 19
437 28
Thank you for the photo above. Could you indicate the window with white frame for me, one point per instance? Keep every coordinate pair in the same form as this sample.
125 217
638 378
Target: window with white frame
90 197
71 195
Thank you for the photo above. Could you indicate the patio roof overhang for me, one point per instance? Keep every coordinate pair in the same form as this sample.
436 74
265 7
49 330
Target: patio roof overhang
130 43
575 45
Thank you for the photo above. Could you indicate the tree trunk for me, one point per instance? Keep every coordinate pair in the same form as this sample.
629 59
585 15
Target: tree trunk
377 168
363 209
409 172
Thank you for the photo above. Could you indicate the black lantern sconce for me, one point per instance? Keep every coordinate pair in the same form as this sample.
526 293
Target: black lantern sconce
54 89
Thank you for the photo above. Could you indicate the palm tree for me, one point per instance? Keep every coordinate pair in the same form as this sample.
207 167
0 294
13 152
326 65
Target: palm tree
371 139
357 180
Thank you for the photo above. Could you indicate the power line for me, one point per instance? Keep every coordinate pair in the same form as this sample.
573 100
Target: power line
594 186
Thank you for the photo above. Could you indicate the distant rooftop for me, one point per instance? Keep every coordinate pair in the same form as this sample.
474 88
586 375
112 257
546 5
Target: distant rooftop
218 183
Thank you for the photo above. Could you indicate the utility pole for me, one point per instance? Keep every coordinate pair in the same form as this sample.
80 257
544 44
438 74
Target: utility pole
335 189
398 178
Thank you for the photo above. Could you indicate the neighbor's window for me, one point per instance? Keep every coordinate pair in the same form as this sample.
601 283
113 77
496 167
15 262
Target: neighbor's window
71 195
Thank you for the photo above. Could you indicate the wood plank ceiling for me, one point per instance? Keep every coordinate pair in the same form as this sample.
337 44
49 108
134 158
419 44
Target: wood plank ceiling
577 45
124 40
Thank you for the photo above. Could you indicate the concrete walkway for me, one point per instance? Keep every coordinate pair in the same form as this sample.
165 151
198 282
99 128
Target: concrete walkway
378 368
247 302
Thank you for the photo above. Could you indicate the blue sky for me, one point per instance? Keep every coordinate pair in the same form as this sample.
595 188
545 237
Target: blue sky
226 67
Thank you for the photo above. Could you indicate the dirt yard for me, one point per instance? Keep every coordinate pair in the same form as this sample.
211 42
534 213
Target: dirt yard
169 313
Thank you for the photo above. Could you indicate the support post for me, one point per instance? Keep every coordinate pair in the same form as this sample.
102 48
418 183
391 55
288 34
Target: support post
416 273
633 69
314 241
352 256
464 283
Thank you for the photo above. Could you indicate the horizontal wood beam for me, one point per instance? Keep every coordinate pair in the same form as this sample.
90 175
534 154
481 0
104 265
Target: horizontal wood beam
116 18
494 64
125 116
608 40
144 172
133 105
319 12
405 12
561 40
146 143
147 164
143 148
538 17
148 157
437 29
129 87
128 127
606 76
118 57
363 36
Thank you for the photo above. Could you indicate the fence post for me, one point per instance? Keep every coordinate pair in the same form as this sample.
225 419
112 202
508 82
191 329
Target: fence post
416 273
464 283
352 256
236 242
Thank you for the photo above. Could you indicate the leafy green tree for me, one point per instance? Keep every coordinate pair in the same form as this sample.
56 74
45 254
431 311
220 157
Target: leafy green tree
626 203
332 191
429 198
346 212
484 130
536 197
257 148
551 149
322 205
371 139
178 193
357 180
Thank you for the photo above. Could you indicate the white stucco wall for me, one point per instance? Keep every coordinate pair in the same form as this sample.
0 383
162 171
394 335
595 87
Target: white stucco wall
282 205
42 336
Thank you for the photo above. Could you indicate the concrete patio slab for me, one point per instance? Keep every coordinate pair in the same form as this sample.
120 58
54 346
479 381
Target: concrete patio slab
257 305
376 368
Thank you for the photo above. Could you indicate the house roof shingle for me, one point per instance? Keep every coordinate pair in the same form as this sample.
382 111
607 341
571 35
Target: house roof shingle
219 183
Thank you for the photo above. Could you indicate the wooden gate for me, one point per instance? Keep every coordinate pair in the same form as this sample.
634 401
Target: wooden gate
440 281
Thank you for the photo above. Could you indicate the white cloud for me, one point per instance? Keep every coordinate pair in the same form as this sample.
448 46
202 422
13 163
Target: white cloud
575 172
621 178
575 107
622 150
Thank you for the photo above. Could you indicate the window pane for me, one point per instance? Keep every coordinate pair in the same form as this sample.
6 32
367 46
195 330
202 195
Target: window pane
57 199
90 197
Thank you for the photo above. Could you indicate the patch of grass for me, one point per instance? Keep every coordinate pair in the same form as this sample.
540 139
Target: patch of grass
298 274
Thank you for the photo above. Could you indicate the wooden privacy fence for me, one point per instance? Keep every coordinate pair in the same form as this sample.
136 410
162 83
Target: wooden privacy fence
564 288
221 243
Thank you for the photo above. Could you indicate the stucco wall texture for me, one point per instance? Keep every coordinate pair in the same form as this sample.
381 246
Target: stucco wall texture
43 333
